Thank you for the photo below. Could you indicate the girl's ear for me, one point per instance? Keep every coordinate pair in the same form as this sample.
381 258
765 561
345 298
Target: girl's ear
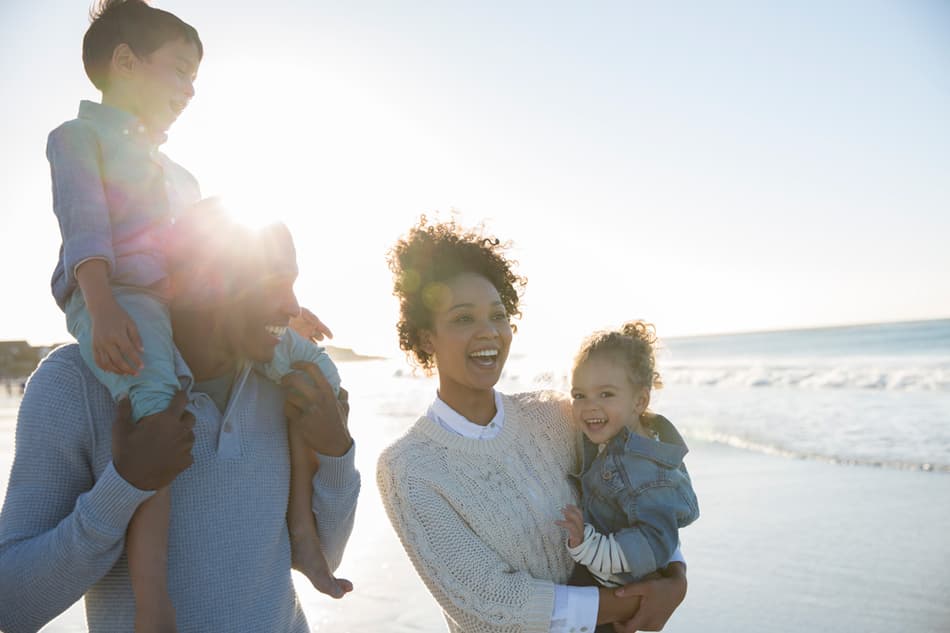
643 400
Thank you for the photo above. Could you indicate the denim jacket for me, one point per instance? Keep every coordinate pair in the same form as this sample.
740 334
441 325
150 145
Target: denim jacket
638 489
115 196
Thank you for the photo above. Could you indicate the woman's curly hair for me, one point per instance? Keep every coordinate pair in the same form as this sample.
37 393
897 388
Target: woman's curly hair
633 346
431 255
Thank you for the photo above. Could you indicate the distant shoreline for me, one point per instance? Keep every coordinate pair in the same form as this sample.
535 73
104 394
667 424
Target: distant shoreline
18 359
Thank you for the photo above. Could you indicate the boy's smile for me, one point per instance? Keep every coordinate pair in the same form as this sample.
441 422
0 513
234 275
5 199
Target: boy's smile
160 85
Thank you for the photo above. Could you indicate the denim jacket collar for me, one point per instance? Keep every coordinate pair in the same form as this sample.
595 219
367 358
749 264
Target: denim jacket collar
669 451
120 121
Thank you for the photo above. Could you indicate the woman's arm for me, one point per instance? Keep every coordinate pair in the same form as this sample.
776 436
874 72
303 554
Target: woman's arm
472 584
659 597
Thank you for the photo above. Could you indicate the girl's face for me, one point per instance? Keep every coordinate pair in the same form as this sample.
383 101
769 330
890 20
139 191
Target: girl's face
604 399
470 336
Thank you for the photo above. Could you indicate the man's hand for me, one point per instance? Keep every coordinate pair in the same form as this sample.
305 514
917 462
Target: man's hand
574 524
318 415
116 345
150 454
659 597
307 325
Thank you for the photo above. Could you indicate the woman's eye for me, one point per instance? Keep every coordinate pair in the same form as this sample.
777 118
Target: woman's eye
500 316
462 318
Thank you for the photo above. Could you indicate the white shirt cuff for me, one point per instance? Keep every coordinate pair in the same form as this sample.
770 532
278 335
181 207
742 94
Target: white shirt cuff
575 609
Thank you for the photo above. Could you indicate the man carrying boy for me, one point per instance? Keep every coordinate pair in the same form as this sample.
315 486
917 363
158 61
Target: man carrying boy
77 478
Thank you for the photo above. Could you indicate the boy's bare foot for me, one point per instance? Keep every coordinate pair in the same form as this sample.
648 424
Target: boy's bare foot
156 617
307 558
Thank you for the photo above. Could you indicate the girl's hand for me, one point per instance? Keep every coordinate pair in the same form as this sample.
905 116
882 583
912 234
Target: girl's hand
659 597
116 344
307 325
574 524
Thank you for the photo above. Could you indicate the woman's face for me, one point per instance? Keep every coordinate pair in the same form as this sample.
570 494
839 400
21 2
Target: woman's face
470 335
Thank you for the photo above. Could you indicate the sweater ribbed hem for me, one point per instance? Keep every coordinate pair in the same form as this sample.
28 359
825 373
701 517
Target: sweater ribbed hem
110 504
540 608
336 472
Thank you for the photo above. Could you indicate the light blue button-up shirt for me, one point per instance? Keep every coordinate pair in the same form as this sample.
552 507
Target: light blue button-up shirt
115 196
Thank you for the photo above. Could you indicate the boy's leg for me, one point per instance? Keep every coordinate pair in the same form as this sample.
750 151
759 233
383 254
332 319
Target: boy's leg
306 551
150 392
147 547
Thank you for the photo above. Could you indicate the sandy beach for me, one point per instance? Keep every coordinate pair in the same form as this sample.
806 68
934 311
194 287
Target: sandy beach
783 545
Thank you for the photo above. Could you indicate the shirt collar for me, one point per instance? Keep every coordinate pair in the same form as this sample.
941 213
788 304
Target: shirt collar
117 119
454 422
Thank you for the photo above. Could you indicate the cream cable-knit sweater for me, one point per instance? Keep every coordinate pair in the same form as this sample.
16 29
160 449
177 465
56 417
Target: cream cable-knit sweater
477 516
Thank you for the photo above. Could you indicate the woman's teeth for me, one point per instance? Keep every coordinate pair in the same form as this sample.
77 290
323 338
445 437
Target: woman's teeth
484 357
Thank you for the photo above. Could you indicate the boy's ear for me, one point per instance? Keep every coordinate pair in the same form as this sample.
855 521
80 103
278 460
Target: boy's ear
123 60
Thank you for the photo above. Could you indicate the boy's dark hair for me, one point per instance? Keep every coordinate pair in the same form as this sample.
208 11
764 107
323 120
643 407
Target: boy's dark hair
144 28
433 254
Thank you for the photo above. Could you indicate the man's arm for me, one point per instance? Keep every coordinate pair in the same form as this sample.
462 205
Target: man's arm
61 529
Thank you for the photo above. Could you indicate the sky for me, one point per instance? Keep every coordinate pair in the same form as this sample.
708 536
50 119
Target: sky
710 167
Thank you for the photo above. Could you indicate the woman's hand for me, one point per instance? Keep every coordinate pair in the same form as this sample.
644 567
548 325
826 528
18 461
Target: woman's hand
307 325
659 598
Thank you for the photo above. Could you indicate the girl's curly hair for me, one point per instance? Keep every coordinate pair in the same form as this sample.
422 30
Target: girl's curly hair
431 255
633 346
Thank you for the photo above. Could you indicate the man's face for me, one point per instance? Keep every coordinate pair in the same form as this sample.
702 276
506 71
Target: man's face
260 316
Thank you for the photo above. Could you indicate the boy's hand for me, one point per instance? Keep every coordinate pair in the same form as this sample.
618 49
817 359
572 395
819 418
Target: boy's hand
574 524
307 325
116 344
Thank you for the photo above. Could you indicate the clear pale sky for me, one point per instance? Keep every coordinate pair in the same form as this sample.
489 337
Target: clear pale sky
708 166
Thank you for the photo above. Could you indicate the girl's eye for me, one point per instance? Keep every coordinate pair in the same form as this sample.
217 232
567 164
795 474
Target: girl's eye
606 394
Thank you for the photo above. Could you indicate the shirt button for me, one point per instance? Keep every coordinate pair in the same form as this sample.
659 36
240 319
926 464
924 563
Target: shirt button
227 427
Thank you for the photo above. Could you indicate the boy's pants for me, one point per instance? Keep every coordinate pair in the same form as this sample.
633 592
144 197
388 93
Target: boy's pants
155 385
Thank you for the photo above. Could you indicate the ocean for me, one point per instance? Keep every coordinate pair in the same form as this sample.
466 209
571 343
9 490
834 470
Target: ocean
872 395
808 446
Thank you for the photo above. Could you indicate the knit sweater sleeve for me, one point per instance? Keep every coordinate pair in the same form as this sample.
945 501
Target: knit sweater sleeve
477 590
336 488
61 528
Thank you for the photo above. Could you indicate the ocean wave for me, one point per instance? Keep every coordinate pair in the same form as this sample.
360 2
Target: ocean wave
736 441
927 378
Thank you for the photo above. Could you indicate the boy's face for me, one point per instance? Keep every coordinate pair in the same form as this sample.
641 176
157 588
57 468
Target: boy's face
162 84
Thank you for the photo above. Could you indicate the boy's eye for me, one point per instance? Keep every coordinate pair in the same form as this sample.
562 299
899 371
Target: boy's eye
577 396
606 394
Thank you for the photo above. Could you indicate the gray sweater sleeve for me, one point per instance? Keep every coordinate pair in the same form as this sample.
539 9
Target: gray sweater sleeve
336 487
62 527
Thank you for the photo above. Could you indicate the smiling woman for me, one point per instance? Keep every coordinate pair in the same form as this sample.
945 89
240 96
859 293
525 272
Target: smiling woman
473 489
